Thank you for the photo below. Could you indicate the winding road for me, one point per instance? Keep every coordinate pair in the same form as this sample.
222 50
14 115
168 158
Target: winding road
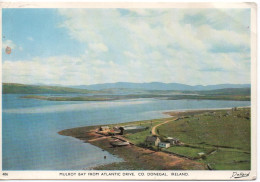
154 128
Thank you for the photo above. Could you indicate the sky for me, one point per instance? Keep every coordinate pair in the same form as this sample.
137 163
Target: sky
90 46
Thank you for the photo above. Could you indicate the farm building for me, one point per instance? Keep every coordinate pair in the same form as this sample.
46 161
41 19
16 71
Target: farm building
104 128
131 129
164 145
152 141
116 130
173 141
201 153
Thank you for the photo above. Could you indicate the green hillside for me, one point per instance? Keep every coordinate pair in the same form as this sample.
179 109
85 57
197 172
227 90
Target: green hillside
242 94
15 88
224 136
227 91
215 92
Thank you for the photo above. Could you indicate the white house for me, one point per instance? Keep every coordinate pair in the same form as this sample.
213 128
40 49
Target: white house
164 145
152 141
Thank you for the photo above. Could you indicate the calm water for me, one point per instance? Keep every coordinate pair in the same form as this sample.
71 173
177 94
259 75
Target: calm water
29 127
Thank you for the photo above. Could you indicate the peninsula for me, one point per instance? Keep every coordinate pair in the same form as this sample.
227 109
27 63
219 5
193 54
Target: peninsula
188 140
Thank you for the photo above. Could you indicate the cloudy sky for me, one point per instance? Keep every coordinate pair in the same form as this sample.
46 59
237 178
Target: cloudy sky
88 46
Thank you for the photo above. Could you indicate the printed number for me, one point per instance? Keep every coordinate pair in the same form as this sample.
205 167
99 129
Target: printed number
5 174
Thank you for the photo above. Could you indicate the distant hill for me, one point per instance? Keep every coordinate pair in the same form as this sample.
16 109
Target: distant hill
122 88
126 93
16 88
226 91
159 86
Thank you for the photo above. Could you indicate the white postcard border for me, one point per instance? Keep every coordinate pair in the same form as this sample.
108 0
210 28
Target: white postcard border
150 175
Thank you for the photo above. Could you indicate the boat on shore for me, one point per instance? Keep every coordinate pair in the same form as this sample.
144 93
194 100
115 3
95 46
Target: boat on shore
119 143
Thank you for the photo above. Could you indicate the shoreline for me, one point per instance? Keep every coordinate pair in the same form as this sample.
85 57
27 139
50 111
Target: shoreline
132 152
137 96
135 157
201 110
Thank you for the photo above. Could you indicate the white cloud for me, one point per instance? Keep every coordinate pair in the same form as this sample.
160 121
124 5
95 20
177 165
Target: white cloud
144 46
219 19
77 71
8 43
98 47
11 44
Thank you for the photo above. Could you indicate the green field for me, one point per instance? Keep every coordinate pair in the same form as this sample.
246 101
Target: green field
227 133
186 151
220 128
223 136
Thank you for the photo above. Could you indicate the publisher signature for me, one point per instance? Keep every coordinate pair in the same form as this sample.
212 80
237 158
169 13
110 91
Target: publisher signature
239 175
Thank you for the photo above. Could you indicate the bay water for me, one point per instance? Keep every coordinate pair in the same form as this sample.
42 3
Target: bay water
30 139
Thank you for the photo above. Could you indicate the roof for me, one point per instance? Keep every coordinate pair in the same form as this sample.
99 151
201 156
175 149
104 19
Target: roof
151 138
133 127
201 153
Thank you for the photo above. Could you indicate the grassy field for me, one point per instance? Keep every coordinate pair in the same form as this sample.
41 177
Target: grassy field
219 128
222 135
186 151
229 160
227 133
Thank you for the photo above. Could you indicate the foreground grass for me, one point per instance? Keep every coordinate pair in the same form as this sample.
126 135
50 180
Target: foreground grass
186 151
229 160
226 132
219 128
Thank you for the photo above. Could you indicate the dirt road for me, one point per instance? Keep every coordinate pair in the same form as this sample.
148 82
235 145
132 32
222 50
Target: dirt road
154 128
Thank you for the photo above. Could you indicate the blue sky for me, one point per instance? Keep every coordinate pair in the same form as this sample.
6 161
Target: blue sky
88 46
37 32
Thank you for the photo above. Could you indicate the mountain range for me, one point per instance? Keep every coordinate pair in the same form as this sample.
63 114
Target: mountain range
158 86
